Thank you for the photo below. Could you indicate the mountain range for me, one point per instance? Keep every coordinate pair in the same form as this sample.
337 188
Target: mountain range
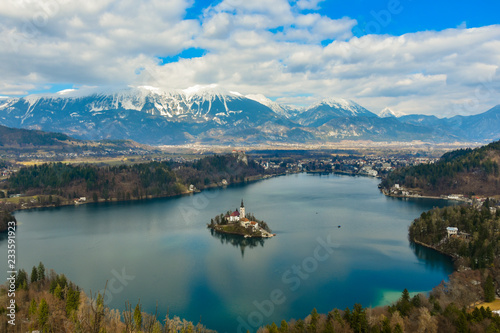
212 115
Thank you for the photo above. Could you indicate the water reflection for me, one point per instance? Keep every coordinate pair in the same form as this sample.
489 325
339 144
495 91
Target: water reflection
238 241
431 258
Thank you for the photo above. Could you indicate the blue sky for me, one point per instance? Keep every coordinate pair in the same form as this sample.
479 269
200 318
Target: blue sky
413 56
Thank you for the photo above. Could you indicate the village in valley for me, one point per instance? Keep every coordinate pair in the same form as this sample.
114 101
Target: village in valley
240 223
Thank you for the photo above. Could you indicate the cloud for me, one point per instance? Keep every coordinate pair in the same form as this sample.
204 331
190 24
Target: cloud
285 51
308 4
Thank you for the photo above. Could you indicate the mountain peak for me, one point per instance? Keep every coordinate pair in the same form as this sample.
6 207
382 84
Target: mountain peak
387 113
340 102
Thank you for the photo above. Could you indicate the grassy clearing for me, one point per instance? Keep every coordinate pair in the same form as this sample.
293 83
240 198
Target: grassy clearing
495 305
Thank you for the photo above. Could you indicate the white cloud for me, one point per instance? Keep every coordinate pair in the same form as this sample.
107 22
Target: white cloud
308 4
251 47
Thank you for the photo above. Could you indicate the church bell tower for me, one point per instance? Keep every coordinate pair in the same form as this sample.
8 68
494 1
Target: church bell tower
242 210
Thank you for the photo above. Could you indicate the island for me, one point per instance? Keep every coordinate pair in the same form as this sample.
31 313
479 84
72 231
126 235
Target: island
240 223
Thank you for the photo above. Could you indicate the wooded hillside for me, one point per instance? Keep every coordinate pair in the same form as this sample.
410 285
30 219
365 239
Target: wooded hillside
464 171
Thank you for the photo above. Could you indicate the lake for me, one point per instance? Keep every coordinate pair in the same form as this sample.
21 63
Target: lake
160 251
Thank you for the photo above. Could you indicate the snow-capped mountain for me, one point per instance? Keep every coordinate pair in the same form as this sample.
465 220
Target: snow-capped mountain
331 108
210 114
144 114
283 110
387 112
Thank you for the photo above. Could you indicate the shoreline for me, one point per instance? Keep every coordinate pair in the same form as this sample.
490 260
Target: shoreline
249 179
453 257
423 197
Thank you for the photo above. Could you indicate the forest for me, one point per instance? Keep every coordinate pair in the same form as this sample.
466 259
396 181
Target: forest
129 182
463 171
477 243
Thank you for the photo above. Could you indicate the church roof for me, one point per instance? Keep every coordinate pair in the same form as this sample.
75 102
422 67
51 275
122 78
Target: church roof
235 213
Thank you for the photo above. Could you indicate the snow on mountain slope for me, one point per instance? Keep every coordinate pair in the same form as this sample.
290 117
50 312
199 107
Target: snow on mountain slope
211 114
330 108
283 110
387 112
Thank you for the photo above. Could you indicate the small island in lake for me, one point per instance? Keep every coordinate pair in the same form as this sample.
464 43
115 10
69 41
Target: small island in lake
240 223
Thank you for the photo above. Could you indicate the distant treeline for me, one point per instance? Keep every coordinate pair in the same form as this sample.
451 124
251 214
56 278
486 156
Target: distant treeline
465 171
478 242
127 182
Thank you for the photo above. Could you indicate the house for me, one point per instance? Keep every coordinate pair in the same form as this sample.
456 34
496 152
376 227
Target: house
452 231
244 222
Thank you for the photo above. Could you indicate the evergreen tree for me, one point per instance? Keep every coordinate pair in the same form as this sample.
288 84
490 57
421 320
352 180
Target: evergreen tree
41 271
398 328
313 324
72 300
283 326
138 317
33 307
273 328
43 314
34 274
404 305
58 292
489 289
22 279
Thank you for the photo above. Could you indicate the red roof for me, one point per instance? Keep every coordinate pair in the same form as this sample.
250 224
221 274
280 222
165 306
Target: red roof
235 213
253 223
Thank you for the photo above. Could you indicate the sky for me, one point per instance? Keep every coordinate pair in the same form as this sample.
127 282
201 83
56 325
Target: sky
413 56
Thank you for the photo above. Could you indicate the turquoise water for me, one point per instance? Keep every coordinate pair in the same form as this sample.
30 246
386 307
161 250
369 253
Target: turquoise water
160 252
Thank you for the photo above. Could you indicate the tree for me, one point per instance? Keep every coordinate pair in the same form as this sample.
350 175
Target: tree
404 305
313 323
22 280
273 328
58 292
138 317
34 274
283 326
72 300
43 313
33 307
41 271
489 289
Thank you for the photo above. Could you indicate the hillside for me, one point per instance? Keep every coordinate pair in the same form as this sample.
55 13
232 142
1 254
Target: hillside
26 144
18 138
463 171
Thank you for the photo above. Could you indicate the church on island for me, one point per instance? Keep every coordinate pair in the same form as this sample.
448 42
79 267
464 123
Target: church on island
239 216
238 219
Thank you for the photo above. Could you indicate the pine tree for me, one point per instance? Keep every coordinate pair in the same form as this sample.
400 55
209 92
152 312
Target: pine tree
22 279
41 272
72 300
58 292
43 313
138 317
489 289
313 324
284 326
34 274
33 307
273 328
